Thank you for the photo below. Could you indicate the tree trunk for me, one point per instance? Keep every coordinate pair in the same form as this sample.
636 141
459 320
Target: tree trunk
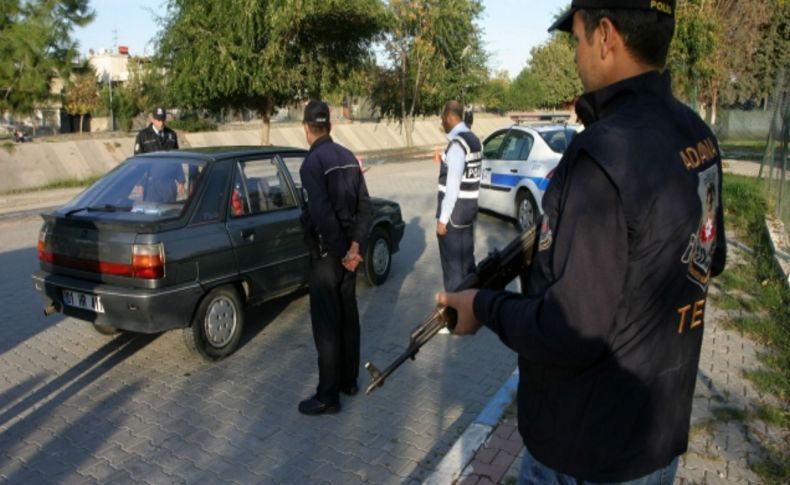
81 119
266 118
713 103
408 130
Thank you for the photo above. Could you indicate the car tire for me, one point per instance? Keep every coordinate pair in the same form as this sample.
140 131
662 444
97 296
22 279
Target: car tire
378 257
105 329
216 328
526 210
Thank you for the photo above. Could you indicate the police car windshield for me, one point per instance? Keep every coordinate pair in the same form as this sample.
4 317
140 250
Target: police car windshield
559 139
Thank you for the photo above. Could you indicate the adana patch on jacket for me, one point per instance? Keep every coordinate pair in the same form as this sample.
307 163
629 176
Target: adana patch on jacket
702 243
546 236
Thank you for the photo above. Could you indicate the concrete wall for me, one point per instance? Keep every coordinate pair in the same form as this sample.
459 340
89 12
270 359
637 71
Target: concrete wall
28 165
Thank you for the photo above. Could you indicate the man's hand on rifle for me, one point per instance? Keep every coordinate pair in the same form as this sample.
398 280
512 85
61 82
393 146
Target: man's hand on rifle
463 303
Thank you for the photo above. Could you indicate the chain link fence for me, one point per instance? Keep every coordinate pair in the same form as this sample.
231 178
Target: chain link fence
774 167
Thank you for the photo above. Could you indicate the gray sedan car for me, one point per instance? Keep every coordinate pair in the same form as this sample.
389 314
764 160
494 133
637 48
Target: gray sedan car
185 239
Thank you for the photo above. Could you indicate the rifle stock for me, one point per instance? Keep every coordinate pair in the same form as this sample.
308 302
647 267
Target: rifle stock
494 272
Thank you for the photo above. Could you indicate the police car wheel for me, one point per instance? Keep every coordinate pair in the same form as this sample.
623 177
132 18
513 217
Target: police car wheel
216 328
526 210
378 257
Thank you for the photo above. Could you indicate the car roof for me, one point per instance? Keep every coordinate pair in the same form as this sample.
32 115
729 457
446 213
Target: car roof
222 152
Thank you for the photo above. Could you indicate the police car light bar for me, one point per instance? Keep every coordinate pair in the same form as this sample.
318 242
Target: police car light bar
559 117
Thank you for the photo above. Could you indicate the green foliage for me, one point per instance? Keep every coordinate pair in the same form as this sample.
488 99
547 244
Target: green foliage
59 184
775 470
81 95
553 64
550 80
774 415
526 92
727 414
435 52
257 54
495 94
192 125
35 47
745 208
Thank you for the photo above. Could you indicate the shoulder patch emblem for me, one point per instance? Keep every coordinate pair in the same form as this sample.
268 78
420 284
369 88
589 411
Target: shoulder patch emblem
546 236
702 243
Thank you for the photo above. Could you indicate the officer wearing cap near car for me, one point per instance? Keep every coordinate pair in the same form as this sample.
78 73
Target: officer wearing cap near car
336 217
164 184
156 137
609 332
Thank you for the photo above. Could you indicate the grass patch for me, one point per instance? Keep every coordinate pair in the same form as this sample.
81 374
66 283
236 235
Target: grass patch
9 147
774 415
727 414
58 184
702 428
775 469
743 149
768 299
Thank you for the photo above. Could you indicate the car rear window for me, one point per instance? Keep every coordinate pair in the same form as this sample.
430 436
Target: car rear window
558 140
144 188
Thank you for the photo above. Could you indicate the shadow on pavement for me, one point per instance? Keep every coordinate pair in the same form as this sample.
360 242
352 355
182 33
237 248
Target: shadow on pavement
24 318
46 399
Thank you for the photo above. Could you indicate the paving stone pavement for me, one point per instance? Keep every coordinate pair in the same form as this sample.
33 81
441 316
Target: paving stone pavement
78 407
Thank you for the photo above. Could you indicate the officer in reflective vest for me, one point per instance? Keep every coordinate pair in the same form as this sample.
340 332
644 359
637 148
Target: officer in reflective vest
459 185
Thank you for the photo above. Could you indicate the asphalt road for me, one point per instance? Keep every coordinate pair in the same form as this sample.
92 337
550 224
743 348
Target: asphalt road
79 407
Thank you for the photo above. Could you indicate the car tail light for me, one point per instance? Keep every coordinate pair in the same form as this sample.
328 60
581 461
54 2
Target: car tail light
148 261
44 254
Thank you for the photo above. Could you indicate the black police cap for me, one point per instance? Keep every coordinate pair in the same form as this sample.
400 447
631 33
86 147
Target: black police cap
565 22
316 112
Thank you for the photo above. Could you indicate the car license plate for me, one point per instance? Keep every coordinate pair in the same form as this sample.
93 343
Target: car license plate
83 300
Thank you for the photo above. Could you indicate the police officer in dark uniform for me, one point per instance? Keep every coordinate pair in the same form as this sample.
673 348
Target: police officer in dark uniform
459 185
609 333
336 218
156 137
164 182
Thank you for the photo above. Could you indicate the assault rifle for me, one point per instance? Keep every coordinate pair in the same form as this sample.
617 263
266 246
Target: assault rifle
494 272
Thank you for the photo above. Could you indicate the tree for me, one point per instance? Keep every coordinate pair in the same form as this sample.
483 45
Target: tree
550 79
82 95
495 95
35 47
435 53
723 50
526 91
258 54
553 64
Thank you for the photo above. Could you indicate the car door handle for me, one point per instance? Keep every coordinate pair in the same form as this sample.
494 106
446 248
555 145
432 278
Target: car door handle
513 170
248 234
487 169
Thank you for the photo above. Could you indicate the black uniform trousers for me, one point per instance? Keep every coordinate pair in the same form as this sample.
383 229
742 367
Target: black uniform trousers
335 319
457 253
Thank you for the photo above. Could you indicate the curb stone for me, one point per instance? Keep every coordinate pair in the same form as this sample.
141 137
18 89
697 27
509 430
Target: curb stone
457 461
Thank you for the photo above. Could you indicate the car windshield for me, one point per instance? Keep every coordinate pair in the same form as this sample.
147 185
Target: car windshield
145 188
559 139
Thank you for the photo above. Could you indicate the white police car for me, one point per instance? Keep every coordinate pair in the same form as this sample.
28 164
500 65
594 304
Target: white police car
518 162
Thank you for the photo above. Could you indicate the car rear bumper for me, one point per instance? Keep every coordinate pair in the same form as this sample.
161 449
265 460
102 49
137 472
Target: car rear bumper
132 309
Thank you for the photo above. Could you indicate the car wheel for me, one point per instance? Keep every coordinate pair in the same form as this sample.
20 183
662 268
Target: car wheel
378 257
526 210
216 329
106 329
